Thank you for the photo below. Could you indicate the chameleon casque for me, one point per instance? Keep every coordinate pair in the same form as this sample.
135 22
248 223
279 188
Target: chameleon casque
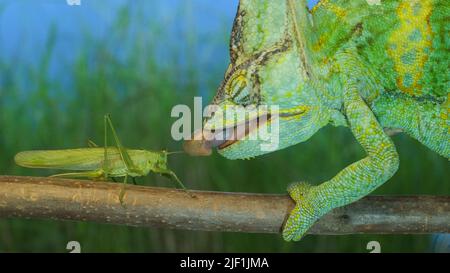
374 66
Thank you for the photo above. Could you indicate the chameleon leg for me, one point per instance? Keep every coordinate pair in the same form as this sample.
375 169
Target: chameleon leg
423 120
353 182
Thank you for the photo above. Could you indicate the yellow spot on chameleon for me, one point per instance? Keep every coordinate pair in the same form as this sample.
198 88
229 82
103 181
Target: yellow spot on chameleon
320 43
409 54
338 11
295 113
238 81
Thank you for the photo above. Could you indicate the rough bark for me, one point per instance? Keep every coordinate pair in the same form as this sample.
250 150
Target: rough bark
64 199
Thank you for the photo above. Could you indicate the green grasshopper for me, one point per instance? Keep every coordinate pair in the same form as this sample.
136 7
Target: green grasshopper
100 163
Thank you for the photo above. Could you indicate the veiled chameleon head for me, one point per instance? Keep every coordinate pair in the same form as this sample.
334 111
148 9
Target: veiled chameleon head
266 96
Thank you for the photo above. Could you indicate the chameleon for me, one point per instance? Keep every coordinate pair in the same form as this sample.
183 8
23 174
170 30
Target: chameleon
376 67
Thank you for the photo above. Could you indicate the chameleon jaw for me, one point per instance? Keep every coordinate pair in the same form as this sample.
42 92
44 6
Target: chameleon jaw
203 141
242 130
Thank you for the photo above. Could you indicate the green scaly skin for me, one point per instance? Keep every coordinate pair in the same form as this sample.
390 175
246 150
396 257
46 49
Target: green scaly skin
367 65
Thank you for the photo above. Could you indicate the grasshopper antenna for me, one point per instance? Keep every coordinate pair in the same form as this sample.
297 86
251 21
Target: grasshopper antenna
175 152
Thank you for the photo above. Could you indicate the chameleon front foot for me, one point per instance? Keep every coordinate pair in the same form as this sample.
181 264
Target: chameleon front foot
303 216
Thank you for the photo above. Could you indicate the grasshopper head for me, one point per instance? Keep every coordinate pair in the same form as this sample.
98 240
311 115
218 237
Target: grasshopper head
155 161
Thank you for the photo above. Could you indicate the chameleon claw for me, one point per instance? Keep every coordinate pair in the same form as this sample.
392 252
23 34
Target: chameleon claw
303 216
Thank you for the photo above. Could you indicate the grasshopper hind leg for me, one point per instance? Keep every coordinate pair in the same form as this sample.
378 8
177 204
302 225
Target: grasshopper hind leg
94 175
122 150
122 190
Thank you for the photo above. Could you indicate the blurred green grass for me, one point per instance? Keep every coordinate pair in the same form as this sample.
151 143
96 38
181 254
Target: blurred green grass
139 91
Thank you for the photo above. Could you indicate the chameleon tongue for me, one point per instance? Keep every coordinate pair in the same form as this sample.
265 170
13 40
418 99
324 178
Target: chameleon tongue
198 145
203 141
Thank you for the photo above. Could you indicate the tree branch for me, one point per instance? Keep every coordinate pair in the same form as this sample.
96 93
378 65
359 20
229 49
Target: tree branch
63 199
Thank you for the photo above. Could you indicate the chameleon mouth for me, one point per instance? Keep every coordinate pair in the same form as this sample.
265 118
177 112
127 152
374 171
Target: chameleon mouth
242 130
203 141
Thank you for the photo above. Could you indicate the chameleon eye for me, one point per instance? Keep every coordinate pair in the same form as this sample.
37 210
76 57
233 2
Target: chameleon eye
239 90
